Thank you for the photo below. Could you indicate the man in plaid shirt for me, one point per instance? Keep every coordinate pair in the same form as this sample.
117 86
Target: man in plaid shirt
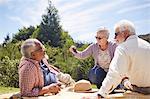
36 76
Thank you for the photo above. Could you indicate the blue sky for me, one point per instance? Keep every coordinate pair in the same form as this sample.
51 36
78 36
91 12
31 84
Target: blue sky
81 18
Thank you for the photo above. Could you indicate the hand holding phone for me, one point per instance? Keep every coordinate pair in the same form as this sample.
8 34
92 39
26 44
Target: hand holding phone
74 49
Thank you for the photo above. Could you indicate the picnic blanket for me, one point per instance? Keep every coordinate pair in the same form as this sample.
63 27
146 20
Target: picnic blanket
74 95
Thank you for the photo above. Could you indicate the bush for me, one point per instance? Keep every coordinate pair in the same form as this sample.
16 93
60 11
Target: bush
82 69
59 57
9 72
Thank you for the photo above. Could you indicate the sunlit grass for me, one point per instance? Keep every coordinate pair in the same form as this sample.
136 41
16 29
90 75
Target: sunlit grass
4 90
94 86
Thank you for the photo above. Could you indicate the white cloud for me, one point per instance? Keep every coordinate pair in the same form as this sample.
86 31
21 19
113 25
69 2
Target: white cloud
88 37
30 14
142 25
34 13
80 18
19 20
3 2
133 8
80 22
69 5
143 21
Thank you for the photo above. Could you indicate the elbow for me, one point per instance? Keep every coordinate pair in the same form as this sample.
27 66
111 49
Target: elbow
32 93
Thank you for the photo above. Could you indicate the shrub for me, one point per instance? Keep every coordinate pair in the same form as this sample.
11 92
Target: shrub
9 72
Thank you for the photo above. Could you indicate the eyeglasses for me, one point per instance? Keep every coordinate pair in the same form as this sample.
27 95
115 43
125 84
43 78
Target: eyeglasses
40 50
117 33
99 38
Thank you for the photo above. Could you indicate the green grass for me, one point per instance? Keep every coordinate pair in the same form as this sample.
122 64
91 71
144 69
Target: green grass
4 90
94 86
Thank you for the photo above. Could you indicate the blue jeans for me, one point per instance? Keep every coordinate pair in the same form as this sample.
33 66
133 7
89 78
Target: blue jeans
96 75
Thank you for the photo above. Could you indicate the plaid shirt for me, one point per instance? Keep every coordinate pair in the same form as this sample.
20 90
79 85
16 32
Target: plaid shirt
31 77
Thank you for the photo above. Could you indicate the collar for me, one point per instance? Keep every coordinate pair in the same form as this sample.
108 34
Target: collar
131 37
29 59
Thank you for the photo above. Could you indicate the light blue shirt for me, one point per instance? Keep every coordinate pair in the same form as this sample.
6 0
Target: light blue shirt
49 77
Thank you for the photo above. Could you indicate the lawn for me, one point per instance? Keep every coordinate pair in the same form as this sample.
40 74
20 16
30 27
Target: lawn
4 90
94 86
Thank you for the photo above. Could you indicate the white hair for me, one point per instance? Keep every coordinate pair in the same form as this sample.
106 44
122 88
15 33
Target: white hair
125 25
29 46
105 30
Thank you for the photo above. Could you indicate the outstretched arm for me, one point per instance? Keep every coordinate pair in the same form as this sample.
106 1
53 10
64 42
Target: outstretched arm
81 54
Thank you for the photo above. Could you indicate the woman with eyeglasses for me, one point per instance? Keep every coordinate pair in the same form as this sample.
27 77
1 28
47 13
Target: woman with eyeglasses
102 52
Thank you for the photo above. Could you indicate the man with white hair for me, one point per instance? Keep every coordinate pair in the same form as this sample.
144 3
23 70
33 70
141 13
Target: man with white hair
131 61
36 76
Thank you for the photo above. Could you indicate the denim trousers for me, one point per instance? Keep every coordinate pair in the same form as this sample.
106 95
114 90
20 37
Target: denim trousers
97 75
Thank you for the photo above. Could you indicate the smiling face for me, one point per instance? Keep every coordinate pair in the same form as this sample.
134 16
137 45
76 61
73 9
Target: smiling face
39 52
119 36
123 29
101 37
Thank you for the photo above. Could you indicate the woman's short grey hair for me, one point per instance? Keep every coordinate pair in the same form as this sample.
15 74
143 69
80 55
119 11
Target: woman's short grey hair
125 25
29 46
105 30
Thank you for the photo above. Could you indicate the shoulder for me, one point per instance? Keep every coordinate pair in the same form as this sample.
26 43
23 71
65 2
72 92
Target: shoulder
91 46
27 65
121 48
94 46
144 42
112 45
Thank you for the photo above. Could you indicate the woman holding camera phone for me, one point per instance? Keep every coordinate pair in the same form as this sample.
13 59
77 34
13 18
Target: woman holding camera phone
102 52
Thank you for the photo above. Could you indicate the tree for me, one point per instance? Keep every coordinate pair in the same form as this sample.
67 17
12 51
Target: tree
6 40
23 34
145 37
50 29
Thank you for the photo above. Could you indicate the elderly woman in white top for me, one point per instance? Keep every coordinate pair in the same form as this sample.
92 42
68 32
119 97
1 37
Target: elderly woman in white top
102 52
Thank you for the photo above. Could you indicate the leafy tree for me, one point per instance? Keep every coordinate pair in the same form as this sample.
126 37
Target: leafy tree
49 29
6 40
145 37
66 39
12 50
23 34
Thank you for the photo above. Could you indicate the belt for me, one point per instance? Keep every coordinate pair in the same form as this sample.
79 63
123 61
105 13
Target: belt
143 90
